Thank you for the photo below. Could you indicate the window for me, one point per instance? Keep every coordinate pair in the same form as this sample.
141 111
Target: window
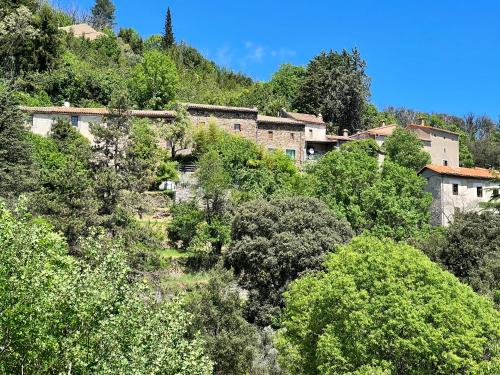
479 191
74 120
495 193
444 150
445 163
292 136
237 127
310 133
455 189
270 134
291 153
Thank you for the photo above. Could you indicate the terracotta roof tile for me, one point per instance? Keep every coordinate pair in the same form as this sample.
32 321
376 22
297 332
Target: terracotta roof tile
278 120
338 137
386 130
96 111
462 172
219 108
425 127
304 117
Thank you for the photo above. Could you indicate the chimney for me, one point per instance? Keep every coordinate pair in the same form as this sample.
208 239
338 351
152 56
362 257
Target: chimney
320 116
66 104
422 121
346 133
382 123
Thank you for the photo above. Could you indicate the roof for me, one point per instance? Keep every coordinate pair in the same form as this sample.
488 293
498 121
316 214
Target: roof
386 130
83 30
425 127
223 108
96 111
338 137
480 173
304 117
278 120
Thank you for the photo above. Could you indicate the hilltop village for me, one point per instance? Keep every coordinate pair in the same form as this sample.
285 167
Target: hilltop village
163 214
303 137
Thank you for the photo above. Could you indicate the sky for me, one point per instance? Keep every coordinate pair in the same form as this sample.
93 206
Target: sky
433 56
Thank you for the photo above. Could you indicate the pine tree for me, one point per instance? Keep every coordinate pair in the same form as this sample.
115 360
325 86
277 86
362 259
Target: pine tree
103 14
16 163
168 37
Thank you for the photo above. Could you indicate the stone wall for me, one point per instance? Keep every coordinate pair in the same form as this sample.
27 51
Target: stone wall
282 136
228 121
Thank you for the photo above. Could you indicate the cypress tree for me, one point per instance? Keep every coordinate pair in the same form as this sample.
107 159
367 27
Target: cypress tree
168 37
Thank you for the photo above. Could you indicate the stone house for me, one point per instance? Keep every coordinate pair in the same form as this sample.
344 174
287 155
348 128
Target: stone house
457 189
284 132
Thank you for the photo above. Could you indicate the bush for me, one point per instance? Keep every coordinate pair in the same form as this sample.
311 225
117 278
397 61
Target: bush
185 218
275 242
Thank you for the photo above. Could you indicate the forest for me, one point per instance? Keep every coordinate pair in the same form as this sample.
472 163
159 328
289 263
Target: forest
269 269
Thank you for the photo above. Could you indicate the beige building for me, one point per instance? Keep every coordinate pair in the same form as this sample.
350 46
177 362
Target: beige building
442 145
456 189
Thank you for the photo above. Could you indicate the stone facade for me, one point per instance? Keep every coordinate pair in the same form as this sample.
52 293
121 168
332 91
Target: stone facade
232 121
287 133
286 137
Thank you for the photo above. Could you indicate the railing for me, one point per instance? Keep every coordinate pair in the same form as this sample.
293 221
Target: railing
187 168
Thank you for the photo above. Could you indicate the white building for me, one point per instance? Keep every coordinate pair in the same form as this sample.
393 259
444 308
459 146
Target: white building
42 118
456 189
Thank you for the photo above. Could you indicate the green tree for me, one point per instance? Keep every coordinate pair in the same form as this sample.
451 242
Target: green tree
286 82
84 315
48 43
179 133
470 249
168 35
213 182
275 242
217 309
404 147
111 146
388 201
64 193
103 14
16 162
132 38
335 85
385 307
182 228
155 80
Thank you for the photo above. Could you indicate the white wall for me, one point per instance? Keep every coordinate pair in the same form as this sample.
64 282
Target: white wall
445 204
42 123
318 132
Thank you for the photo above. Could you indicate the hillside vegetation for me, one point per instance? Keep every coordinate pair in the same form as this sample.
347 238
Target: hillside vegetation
269 269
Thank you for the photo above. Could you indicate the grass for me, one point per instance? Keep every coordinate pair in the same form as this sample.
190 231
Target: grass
173 253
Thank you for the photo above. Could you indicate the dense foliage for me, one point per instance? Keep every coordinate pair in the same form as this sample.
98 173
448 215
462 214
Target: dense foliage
383 307
470 249
388 201
404 147
84 315
275 242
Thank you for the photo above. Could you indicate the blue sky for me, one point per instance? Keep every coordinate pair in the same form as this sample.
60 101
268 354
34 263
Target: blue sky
433 56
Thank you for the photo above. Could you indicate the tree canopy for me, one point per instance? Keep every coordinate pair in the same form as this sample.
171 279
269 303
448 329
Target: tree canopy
383 307
275 242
